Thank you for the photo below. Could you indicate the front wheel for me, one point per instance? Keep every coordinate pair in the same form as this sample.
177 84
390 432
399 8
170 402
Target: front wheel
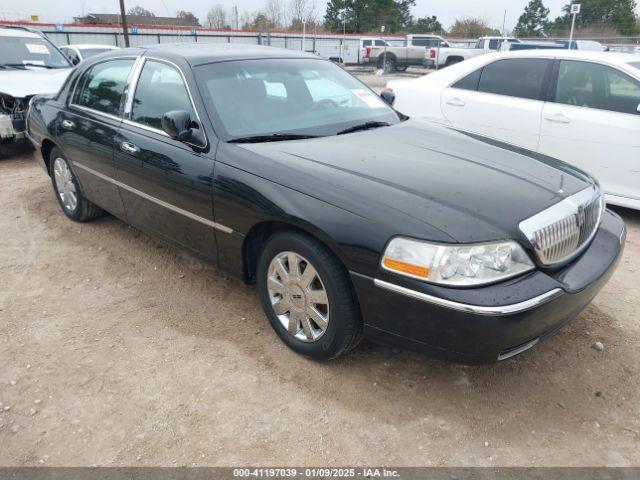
67 190
307 296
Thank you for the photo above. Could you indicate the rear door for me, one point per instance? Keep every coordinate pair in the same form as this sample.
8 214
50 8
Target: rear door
592 121
88 127
166 185
502 100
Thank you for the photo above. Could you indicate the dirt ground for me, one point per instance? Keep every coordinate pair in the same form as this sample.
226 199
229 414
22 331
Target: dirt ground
117 349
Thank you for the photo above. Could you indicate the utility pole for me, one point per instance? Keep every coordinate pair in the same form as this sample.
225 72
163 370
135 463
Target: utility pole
235 15
123 15
304 33
504 22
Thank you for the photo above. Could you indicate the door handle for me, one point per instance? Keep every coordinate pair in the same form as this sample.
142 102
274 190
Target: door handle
67 124
557 118
456 102
129 148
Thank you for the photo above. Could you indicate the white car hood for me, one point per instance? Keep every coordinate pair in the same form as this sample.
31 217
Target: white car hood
32 81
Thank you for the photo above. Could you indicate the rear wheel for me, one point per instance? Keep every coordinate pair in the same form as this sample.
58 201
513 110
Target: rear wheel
388 64
67 190
307 296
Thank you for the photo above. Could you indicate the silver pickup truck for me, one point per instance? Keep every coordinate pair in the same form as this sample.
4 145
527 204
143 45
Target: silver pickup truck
392 59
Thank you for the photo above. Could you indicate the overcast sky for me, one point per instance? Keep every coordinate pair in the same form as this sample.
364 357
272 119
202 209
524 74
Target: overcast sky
447 11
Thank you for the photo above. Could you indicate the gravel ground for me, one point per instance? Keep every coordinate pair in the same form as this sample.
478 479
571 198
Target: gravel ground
117 349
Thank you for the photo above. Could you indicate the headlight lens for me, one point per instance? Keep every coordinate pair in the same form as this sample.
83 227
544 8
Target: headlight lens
456 265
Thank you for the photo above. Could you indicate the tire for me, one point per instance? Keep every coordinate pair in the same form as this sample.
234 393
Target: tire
401 69
452 61
68 192
291 295
388 65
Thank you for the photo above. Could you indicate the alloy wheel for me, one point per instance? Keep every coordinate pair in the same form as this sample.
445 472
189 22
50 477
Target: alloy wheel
298 296
65 184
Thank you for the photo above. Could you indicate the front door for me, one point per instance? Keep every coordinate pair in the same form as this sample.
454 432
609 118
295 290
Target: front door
166 185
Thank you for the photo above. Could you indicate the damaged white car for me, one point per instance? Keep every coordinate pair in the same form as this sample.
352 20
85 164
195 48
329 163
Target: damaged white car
29 65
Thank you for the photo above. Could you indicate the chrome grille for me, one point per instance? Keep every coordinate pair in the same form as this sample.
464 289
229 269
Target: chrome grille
562 231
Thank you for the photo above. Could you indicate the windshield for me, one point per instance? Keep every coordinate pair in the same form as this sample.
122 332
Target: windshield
18 52
288 96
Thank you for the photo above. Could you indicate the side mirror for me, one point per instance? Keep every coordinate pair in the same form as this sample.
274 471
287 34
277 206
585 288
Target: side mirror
388 96
75 60
179 126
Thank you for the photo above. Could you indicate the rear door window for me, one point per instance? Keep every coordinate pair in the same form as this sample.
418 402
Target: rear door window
102 87
518 77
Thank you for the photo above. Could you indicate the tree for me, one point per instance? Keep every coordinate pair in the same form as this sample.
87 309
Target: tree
217 18
188 16
604 14
140 12
534 22
361 16
275 14
302 11
426 25
471 28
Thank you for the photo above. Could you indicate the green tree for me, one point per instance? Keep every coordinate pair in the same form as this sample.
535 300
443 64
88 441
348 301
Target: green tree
364 16
188 16
140 11
534 21
617 14
471 28
426 25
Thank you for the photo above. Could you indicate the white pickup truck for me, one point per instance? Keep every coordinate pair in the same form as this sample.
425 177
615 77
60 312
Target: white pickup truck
399 58
446 56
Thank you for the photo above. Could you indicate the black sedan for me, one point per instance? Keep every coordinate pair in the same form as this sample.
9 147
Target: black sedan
284 170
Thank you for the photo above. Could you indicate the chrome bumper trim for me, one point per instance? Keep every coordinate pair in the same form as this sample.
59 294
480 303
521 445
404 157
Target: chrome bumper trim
475 309
155 200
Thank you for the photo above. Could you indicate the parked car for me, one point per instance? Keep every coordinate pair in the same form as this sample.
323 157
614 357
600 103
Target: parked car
580 107
77 53
393 59
445 56
587 45
29 64
289 173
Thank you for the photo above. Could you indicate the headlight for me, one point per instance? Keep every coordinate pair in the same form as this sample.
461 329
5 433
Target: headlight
456 265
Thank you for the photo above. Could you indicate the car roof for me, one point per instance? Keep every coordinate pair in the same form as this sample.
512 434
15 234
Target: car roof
203 53
81 46
604 57
17 32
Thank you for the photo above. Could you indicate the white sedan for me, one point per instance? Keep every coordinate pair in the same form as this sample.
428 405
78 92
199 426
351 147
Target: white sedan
77 53
580 107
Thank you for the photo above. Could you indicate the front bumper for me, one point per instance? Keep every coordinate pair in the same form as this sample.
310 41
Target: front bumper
12 130
484 325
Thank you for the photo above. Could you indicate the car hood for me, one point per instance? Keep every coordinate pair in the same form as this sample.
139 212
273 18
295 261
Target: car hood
415 173
32 81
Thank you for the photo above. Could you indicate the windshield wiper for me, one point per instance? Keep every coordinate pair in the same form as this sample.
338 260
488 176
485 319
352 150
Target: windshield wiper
363 126
25 65
274 137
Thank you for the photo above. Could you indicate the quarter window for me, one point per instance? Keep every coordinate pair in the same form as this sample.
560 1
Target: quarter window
520 77
585 84
160 90
102 86
470 82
